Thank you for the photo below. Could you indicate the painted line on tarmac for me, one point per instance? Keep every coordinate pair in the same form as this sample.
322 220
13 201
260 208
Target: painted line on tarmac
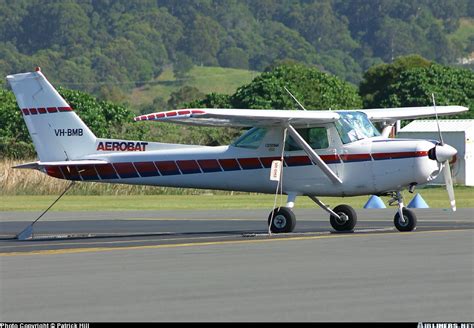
215 243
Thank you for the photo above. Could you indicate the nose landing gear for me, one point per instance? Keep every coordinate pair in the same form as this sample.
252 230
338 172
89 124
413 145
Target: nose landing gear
405 219
408 223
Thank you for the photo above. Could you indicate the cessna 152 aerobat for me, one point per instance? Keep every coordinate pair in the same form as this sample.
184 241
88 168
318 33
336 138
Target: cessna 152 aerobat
296 153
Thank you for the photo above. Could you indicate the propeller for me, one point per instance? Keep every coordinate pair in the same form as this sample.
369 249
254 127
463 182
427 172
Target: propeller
443 153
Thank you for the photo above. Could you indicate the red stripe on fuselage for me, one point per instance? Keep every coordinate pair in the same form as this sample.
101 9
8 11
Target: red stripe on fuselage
229 164
150 169
399 155
125 170
54 171
267 161
188 166
146 169
88 172
106 171
355 157
167 168
250 163
209 165
297 160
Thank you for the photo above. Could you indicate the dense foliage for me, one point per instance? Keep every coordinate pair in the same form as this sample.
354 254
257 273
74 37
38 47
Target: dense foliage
411 81
102 46
313 88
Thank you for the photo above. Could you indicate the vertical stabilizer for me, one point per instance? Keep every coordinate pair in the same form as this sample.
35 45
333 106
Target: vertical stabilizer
58 133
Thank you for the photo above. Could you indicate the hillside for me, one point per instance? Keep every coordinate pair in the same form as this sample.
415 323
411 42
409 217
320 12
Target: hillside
206 79
111 47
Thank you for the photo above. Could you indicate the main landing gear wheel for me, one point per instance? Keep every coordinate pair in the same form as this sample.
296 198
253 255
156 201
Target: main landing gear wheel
283 220
410 220
348 218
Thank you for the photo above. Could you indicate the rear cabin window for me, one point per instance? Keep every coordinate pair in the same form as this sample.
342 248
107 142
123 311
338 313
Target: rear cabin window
317 138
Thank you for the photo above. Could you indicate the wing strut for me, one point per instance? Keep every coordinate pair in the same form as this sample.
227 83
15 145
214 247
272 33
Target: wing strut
312 155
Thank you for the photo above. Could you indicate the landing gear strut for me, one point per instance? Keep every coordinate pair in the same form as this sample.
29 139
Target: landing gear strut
342 218
405 219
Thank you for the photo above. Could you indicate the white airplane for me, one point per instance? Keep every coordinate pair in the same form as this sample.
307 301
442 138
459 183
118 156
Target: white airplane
296 153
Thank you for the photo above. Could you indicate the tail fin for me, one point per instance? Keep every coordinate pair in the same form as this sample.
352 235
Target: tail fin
58 133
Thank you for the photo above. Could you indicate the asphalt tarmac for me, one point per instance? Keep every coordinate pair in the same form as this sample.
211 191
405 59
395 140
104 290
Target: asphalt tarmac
222 266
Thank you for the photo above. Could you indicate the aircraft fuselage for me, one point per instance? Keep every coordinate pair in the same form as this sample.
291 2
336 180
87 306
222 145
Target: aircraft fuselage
369 166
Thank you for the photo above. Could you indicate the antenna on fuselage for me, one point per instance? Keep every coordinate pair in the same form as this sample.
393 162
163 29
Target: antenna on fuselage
294 98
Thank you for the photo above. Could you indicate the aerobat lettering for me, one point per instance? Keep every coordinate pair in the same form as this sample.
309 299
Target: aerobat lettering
68 132
122 146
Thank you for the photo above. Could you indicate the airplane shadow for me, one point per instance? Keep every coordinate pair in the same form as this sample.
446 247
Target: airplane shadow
81 236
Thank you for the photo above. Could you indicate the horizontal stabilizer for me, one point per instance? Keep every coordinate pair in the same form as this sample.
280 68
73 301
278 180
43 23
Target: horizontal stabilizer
39 164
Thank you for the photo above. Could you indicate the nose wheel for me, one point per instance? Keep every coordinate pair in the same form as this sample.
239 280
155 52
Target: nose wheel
281 220
405 219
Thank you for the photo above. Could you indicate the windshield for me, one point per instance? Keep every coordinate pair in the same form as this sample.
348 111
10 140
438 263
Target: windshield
353 126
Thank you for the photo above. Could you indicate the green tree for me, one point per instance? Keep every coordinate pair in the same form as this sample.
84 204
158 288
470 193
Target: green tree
451 86
212 100
15 141
62 24
100 116
313 88
234 57
204 39
377 79
281 43
182 65
184 95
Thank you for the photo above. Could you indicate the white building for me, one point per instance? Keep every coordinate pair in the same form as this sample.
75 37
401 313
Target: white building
457 133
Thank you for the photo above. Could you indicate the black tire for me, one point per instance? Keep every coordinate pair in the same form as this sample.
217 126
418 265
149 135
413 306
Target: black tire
349 215
284 220
410 220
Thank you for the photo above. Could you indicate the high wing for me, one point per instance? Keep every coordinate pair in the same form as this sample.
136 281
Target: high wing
271 117
403 113
242 117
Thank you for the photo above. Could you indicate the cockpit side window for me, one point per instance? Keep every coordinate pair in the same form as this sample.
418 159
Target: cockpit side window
316 137
251 139
353 126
